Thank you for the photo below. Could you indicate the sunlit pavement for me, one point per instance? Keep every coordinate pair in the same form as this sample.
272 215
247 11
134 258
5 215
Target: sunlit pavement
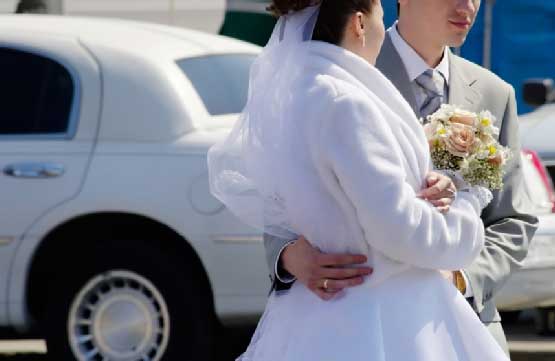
22 350
524 344
232 341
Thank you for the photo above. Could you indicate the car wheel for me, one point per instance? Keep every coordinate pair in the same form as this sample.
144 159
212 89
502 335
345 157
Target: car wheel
545 321
128 301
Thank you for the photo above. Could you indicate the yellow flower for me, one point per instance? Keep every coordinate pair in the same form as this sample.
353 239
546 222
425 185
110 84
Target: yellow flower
441 131
492 150
485 122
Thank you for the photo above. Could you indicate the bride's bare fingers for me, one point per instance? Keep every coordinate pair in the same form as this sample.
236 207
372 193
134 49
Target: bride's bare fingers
438 186
446 193
444 210
437 189
444 202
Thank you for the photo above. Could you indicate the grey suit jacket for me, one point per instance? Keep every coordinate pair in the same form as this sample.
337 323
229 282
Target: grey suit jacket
509 228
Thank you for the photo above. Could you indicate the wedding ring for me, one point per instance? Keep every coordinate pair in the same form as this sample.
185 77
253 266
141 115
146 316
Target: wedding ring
326 284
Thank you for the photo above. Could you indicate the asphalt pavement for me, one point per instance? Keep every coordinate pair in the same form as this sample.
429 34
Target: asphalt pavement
524 344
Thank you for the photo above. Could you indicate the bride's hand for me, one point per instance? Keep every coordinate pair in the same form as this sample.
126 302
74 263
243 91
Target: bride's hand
440 191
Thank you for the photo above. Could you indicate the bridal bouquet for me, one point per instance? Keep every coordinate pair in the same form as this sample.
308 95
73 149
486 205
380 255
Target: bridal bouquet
465 142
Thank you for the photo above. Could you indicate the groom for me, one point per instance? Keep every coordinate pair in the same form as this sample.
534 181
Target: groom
415 56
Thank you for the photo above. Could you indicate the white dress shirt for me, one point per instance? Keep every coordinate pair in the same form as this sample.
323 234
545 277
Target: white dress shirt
281 277
415 66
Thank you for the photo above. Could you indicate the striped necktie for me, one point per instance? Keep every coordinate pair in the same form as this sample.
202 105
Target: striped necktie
432 83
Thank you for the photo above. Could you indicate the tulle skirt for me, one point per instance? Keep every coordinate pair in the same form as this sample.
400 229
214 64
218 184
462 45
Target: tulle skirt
413 316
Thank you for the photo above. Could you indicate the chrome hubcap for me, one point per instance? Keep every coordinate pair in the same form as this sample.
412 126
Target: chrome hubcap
119 316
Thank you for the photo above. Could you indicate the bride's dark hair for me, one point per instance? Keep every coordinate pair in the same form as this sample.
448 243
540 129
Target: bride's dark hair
333 17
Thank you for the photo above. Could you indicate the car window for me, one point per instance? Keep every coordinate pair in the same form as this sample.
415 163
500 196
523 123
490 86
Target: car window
36 93
222 81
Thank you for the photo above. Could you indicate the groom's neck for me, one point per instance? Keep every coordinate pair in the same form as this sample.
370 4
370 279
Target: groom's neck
432 52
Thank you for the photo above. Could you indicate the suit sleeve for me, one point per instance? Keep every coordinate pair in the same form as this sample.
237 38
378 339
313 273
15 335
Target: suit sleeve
273 246
509 228
363 154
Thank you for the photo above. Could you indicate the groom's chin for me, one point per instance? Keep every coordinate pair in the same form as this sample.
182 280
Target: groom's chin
457 41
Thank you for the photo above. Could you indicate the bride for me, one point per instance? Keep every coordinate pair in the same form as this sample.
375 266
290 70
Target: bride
328 148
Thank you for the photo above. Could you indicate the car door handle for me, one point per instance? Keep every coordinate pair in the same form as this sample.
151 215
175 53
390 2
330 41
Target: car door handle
34 170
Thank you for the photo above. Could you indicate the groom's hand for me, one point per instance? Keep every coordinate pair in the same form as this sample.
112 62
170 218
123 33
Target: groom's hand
324 274
440 191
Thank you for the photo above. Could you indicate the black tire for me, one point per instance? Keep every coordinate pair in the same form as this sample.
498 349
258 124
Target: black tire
190 309
510 317
544 321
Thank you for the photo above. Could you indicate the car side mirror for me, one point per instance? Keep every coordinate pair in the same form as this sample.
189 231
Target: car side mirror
538 91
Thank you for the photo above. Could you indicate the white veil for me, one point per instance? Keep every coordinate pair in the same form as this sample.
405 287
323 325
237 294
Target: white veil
244 169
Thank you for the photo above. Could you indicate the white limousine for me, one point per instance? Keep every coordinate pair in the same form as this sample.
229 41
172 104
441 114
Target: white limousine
110 241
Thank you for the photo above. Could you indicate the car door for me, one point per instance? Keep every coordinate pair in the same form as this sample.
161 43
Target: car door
49 109
237 263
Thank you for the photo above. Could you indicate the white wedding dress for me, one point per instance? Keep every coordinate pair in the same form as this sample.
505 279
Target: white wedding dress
349 157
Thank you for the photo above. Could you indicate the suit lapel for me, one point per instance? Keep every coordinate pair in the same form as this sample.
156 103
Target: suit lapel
461 92
389 62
